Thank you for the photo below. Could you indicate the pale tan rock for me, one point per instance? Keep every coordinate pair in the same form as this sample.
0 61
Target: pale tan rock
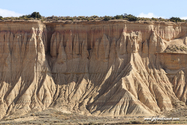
112 68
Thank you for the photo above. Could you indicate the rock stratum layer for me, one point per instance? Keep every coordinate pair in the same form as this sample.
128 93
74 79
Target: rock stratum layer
112 68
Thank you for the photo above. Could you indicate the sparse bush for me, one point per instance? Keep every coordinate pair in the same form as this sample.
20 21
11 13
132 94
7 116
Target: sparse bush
94 16
107 18
162 19
131 17
88 19
36 15
175 19
118 17
1 17
154 19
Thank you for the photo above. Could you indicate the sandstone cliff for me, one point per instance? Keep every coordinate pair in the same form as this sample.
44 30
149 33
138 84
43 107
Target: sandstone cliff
101 68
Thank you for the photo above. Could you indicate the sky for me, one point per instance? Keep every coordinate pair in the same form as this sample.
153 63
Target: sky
139 8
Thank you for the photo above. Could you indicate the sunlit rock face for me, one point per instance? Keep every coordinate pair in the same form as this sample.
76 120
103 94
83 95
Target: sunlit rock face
108 68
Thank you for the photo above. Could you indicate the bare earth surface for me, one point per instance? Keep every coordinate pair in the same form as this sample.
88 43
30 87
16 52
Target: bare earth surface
55 117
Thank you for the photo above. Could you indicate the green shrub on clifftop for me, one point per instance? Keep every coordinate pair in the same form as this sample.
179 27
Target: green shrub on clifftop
118 17
130 17
36 15
175 19
106 18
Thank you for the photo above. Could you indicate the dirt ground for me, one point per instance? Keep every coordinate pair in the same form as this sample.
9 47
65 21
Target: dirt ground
55 117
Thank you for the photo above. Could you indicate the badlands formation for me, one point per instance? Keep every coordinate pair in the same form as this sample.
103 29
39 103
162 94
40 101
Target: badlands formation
101 68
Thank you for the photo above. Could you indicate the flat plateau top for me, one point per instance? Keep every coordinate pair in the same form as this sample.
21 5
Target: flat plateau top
93 22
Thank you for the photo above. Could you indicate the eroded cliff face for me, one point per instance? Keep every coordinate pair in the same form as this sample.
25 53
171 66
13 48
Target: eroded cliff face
94 68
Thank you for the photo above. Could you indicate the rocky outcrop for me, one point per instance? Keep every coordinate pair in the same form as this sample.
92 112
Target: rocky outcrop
93 68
